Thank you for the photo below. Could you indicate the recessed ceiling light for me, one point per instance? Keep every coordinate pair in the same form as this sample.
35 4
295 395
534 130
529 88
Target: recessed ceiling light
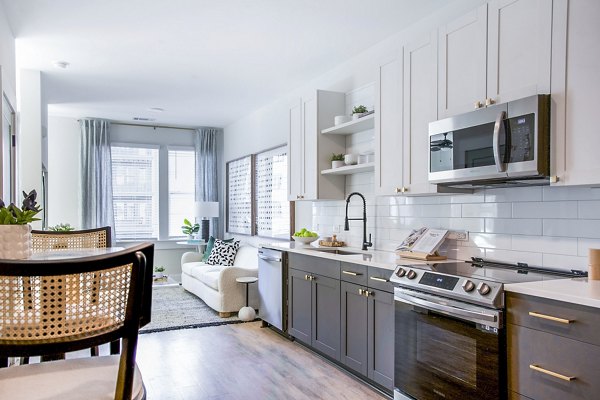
60 64
156 109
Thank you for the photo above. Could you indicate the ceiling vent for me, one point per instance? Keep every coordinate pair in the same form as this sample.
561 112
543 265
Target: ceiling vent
144 119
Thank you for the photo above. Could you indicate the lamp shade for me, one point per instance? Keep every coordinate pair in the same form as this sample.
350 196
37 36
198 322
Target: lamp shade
207 209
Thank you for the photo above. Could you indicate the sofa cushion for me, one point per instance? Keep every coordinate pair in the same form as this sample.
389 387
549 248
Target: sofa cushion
187 268
209 246
223 253
209 275
246 257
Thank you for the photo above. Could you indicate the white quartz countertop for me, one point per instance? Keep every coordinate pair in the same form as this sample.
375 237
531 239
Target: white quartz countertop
380 259
580 291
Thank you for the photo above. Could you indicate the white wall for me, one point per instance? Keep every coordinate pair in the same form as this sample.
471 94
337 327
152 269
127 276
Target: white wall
7 59
64 165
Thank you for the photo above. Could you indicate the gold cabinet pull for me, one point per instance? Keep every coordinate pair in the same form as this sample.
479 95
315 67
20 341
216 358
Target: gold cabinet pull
489 102
361 291
397 190
551 373
367 293
379 279
403 189
305 277
351 273
478 104
551 318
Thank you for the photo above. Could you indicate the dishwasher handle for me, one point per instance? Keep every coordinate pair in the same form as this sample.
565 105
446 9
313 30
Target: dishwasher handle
268 258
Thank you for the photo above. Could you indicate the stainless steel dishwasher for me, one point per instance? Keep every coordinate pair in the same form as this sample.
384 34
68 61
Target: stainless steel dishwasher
272 288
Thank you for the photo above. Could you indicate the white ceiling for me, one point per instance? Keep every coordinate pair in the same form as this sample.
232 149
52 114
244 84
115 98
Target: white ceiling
206 62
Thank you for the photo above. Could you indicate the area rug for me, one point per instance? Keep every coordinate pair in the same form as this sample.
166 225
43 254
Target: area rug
175 308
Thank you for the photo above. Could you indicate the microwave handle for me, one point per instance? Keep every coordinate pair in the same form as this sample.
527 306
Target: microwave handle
500 165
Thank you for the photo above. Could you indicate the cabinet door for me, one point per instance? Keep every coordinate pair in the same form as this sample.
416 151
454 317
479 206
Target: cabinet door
388 128
354 327
462 63
381 338
420 108
519 48
575 88
309 133
299 307
295 151
326 316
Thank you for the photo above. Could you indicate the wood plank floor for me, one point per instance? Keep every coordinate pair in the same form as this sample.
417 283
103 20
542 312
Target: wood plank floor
241 361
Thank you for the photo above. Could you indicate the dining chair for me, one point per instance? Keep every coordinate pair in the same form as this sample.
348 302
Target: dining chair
55 306
96 238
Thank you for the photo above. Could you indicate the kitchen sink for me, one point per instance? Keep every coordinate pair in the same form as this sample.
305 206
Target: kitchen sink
337 251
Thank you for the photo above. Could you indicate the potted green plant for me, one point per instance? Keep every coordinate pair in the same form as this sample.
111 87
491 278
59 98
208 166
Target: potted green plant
358 111
337 160
159 272
15 231
189 229
61 227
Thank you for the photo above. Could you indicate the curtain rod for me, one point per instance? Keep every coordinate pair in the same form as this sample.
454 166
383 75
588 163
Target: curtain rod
148 125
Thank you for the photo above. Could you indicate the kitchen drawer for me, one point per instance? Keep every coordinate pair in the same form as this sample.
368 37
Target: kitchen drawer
379 278
584 321
316 265
353 273
568 357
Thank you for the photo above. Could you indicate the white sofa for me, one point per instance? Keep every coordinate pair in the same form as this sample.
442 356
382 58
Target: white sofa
216 285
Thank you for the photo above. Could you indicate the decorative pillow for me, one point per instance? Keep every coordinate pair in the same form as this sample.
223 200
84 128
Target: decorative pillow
209 247
223 253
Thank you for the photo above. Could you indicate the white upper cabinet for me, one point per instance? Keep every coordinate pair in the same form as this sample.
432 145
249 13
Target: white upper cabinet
462 63
295 151
519 48
420 108
309 150
575 88
388 128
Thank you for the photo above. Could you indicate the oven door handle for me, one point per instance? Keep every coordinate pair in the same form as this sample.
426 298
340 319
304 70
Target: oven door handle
461 313
500 164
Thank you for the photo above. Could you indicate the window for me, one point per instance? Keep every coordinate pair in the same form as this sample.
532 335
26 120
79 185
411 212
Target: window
272 205
239 196
182 178
135 192
257 201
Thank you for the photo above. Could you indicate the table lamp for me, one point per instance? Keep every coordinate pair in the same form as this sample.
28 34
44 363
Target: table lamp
206 210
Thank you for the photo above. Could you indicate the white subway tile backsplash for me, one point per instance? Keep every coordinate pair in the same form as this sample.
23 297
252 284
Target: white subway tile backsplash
515 226
544 244
489 241
553 193
512 256
487 210
468 224
589 209
552 209
513 194
581 228
565 262
583 246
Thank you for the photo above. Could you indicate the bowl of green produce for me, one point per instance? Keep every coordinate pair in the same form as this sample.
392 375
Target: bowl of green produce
305 236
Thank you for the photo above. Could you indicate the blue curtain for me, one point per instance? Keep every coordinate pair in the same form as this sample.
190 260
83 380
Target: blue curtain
96 175
207 177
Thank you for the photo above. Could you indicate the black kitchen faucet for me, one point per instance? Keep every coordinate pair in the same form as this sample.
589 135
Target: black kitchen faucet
365 244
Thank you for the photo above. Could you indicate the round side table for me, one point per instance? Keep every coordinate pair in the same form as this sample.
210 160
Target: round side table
247 313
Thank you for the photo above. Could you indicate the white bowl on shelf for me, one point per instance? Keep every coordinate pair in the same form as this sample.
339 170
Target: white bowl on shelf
351 159
305 240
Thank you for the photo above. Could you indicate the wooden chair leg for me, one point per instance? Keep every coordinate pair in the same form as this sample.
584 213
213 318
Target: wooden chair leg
224 314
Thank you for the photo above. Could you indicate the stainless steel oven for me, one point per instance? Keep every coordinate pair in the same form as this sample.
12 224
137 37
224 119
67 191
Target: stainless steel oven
447 349
500 144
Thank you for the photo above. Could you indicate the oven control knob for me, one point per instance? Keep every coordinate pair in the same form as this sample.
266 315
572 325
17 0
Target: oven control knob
401 272
411 274
468 286
483 289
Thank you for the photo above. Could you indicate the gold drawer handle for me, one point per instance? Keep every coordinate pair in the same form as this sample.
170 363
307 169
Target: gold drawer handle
351 273
379 279
551 318
551 373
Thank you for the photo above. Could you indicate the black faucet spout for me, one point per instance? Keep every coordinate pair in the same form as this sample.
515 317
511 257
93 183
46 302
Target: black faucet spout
365 243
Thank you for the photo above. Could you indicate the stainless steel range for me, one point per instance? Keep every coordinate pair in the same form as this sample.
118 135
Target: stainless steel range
450 340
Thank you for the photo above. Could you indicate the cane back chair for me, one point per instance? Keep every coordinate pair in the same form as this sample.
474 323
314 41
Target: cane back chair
58 306
83 239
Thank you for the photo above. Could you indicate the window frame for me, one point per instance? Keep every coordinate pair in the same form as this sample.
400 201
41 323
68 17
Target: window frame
169 148
253 216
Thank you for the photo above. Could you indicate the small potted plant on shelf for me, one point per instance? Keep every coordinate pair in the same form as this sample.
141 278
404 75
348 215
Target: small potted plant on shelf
159 273
189 229
337 160
15 231
358 111
62 227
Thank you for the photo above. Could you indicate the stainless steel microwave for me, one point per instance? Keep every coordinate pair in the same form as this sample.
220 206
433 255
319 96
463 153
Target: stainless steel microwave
503 144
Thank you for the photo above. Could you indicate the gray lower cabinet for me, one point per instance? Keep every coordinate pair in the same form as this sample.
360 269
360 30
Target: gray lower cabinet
314 311
368 332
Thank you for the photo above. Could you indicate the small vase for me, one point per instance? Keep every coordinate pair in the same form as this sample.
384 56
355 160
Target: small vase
15 242
356 116
337 164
